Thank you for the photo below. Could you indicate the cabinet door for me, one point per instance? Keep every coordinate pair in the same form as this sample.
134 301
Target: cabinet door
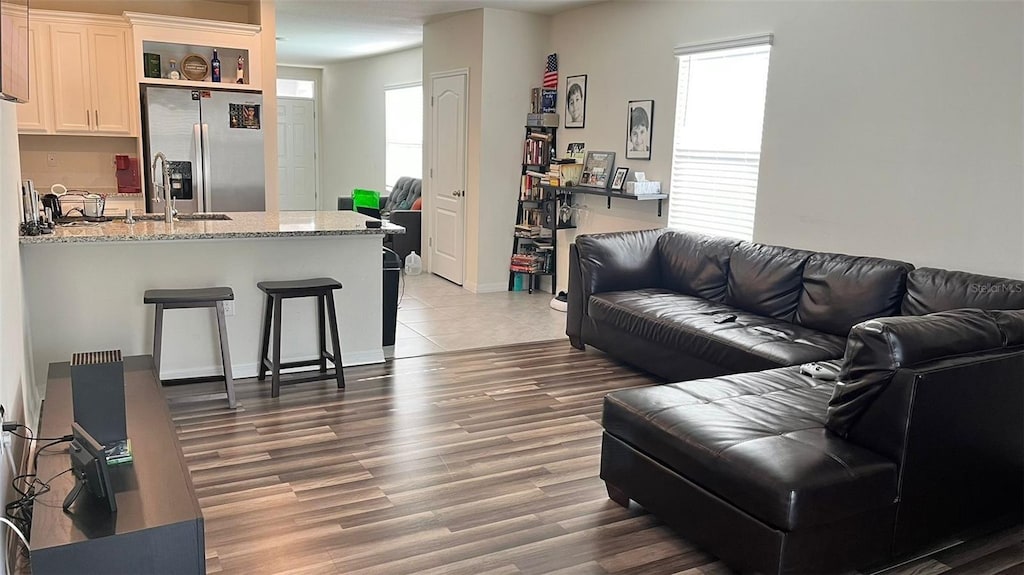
108 60
72 90
34 115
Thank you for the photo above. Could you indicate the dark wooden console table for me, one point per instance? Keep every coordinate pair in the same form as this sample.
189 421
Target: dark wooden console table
158 527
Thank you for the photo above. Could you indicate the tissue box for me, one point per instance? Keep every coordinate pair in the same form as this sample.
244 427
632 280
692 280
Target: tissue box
640 188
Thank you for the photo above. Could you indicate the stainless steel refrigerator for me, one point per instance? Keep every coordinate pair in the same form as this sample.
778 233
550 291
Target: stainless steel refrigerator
213 141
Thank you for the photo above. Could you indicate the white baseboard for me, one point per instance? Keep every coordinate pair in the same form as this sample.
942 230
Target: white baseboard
240 370
489 288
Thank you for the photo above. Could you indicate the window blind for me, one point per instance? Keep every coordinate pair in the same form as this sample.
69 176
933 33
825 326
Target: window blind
717 142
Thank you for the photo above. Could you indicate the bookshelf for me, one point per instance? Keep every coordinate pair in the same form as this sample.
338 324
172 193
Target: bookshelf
535 240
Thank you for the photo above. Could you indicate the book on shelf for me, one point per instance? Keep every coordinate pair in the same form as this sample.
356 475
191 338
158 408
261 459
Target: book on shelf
548 98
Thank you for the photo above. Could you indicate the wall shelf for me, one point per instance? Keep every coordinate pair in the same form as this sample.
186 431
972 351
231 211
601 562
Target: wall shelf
611 194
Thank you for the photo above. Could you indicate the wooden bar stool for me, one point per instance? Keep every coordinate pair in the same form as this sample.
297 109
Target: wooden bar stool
194 298
277 291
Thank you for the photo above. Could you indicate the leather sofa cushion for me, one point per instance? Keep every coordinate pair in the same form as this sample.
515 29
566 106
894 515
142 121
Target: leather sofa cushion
758 441
841 291
694 264
766 279
877 348
930 290
687 323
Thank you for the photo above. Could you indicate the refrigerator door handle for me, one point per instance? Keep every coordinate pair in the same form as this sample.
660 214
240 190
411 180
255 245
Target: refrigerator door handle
198 186
206 169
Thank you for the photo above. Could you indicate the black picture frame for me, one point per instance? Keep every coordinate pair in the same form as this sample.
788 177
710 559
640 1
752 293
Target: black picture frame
619 180
576 101
639 117
597 170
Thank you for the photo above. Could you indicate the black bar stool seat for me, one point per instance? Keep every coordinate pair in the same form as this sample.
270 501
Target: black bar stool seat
277 291
172 296
194 298
299 288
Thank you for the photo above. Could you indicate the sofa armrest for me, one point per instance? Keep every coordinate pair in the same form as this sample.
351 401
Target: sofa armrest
412 221
942 396
619 261
955 428
876 349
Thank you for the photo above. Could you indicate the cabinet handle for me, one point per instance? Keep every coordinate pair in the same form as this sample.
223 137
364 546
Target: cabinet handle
97 114
88 118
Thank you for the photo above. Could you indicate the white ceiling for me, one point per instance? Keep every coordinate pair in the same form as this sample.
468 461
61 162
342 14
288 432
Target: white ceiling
317 32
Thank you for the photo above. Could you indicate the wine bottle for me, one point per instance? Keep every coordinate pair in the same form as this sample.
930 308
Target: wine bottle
240 75
215 67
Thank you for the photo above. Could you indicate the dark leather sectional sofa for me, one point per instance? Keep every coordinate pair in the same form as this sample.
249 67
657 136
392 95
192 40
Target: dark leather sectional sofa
920 439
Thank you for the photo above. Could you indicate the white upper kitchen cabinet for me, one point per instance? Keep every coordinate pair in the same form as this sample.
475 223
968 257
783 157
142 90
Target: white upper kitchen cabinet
85 82
35 115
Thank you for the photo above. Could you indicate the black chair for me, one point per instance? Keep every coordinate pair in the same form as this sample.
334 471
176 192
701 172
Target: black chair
277 292
193 298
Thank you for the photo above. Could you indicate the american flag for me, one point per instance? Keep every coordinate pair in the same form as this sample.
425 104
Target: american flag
551 72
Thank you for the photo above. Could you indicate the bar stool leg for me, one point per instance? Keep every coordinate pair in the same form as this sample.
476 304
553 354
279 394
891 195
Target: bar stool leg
225 355
338 370
321 333
265 344
158 332
275 377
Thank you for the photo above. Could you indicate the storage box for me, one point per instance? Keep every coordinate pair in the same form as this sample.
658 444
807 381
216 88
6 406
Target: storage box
641 188
542 120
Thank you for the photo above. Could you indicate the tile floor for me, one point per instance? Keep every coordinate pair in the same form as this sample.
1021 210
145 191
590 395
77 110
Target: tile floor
435 315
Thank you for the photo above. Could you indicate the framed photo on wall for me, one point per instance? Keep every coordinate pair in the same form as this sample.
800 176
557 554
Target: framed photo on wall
597 169
575 101
619 181
639 125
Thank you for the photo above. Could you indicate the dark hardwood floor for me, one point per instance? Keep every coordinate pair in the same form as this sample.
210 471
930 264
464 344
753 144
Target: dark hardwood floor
476 462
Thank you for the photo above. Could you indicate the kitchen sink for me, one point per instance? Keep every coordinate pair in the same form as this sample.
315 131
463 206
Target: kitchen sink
182 217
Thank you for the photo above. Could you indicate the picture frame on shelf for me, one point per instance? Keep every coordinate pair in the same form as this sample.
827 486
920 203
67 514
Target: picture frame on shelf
597 169
619 181
576 101
639 129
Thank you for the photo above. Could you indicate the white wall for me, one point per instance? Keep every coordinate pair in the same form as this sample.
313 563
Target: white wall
352 121
514 54
453 43
15 380
891 128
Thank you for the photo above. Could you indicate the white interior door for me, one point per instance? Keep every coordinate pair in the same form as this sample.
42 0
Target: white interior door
448 181
296 153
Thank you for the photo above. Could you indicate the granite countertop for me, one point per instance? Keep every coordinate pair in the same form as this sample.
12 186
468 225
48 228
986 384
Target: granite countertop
241 225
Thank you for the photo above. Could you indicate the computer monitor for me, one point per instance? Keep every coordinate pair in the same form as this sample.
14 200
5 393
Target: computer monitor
89 466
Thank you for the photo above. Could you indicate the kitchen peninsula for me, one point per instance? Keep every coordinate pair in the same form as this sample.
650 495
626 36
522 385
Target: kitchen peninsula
84 287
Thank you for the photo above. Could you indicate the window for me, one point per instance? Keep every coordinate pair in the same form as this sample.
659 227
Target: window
288 88
403 111
717 148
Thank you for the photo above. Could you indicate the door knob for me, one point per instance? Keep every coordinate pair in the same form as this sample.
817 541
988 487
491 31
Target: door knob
455 194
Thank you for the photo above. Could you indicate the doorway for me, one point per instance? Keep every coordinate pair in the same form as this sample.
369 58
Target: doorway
298 140
448 112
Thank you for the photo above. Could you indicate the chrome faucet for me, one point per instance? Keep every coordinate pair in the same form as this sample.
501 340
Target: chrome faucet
164 186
